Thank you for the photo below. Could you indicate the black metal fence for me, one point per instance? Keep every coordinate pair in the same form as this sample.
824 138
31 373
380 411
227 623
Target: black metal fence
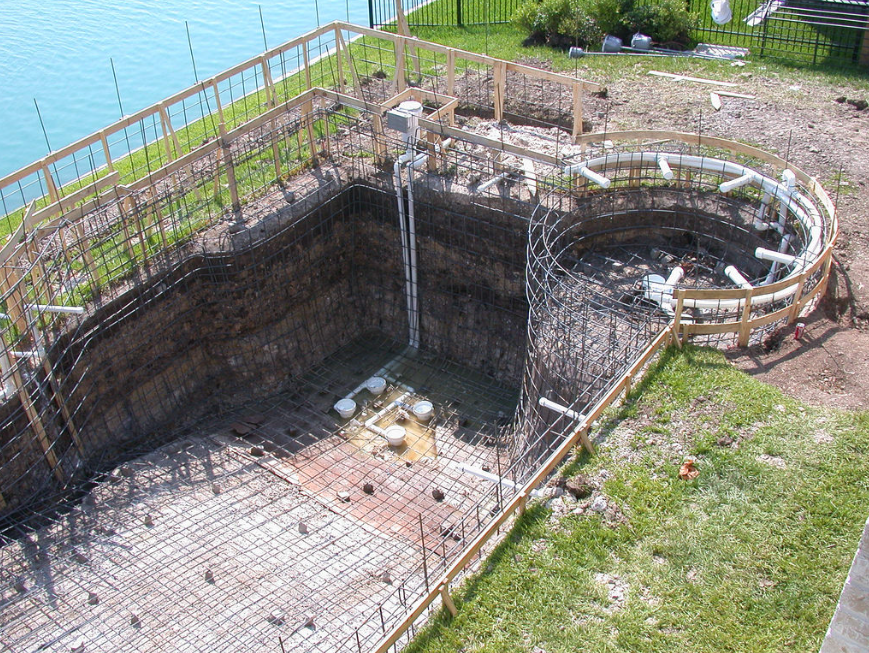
434 13
804 31
807 31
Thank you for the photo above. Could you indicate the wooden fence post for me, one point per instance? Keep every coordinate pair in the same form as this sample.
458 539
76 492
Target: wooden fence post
400 82
577 111
500 82
745 321
230 171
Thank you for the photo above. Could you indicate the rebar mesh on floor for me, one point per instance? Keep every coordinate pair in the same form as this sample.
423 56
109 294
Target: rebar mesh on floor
223 542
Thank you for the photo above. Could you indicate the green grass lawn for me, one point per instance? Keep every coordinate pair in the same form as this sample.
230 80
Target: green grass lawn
750 556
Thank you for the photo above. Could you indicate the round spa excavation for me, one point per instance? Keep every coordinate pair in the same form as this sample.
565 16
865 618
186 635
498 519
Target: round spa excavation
278 386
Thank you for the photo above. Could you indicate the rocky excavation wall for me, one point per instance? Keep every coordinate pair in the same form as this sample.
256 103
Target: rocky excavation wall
223 327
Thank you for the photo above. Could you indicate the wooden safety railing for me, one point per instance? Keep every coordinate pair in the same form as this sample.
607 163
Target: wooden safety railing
405 50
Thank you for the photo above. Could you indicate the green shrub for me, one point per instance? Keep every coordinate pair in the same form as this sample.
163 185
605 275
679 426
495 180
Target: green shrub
584 22
611 16
558 22
666 21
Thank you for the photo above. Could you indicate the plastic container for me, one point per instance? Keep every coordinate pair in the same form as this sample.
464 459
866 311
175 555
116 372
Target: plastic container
611 44
345 408
422 410
376 385
395 435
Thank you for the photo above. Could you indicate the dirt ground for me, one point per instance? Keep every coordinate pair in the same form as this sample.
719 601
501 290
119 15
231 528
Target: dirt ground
805 121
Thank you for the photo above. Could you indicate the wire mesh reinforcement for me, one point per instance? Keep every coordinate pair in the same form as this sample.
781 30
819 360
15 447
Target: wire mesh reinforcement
172 467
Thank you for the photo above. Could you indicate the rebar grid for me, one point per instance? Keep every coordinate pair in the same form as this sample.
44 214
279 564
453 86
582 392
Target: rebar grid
232 297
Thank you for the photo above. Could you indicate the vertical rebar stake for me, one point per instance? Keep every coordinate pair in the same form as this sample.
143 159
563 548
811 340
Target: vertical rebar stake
424 562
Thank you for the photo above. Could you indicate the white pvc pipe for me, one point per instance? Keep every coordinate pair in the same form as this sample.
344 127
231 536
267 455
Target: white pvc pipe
585 170
418 161
370 422
664 165
405 254
413 315
51 308
488 184
591 175
488 476
785 241
737 278
768 255
675 277
558 408
739 182
761 213
803 211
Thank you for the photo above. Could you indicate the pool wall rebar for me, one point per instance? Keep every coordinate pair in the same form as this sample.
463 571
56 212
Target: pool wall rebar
236 267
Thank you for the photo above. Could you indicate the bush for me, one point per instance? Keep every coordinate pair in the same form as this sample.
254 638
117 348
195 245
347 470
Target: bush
558 22
666 21
584 22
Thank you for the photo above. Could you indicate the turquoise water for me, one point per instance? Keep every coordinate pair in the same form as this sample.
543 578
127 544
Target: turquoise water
59 51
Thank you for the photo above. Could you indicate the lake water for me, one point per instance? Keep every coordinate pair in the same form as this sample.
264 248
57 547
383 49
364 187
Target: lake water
59 52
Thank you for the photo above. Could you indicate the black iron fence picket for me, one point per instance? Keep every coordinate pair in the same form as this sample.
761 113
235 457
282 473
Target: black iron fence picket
804 31
436 13
807 31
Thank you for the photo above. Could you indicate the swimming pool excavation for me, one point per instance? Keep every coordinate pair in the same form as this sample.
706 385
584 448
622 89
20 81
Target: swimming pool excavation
281 385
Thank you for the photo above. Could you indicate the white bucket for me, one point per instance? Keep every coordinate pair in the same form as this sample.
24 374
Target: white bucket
345 408
376 385
422 410
395 435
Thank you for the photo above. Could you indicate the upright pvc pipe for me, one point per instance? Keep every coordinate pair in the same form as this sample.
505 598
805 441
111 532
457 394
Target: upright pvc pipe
675 277
413 316
789 183
405 254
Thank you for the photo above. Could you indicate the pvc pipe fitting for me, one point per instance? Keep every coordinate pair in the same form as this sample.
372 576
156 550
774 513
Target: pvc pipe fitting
768 255
664 165
739 182
736 277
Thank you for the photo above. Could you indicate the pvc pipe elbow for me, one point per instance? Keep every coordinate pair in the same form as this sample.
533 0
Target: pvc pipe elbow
739 182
